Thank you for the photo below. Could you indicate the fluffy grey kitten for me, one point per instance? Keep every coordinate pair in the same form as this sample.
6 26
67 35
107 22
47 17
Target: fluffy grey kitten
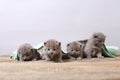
74 50
93 47
27 53
51 51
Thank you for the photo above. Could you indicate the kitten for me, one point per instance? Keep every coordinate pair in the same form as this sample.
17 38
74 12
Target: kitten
27 53
93 47
51 51
74 50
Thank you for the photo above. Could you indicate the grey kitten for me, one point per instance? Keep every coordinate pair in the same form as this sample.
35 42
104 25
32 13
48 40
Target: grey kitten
74 50
51 51
93 47
27 53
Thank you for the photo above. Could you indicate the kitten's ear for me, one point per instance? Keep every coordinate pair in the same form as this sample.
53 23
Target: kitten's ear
68 44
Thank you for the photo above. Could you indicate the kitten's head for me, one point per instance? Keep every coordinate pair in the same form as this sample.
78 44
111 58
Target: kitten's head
52 48
28 56
74 49
99 38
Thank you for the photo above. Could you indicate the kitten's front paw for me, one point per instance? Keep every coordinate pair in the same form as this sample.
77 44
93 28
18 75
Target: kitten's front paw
89 57
71 59
79 58
47 59
34 59
60 61
101 57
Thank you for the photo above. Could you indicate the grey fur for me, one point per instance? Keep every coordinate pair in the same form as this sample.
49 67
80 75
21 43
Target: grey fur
74 50
27 53
51 51
93 47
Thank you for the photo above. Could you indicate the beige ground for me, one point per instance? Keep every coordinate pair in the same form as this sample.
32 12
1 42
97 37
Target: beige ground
93 69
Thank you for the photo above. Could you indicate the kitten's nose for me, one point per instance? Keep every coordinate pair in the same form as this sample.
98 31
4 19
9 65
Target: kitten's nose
51 53
76 54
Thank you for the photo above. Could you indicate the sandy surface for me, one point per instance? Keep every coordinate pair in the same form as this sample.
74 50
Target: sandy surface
86 69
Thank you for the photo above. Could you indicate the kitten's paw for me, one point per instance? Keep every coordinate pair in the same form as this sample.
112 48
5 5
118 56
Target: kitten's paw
100 56
79 58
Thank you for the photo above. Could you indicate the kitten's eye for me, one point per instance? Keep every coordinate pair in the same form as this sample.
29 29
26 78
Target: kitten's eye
48 49
76 50
103 41
95 36
54 49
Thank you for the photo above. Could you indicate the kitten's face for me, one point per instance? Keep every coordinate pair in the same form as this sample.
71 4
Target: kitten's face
52 48
99 39
29 55
74 49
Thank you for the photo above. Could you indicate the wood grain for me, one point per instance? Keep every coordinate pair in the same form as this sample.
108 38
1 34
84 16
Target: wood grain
86 69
